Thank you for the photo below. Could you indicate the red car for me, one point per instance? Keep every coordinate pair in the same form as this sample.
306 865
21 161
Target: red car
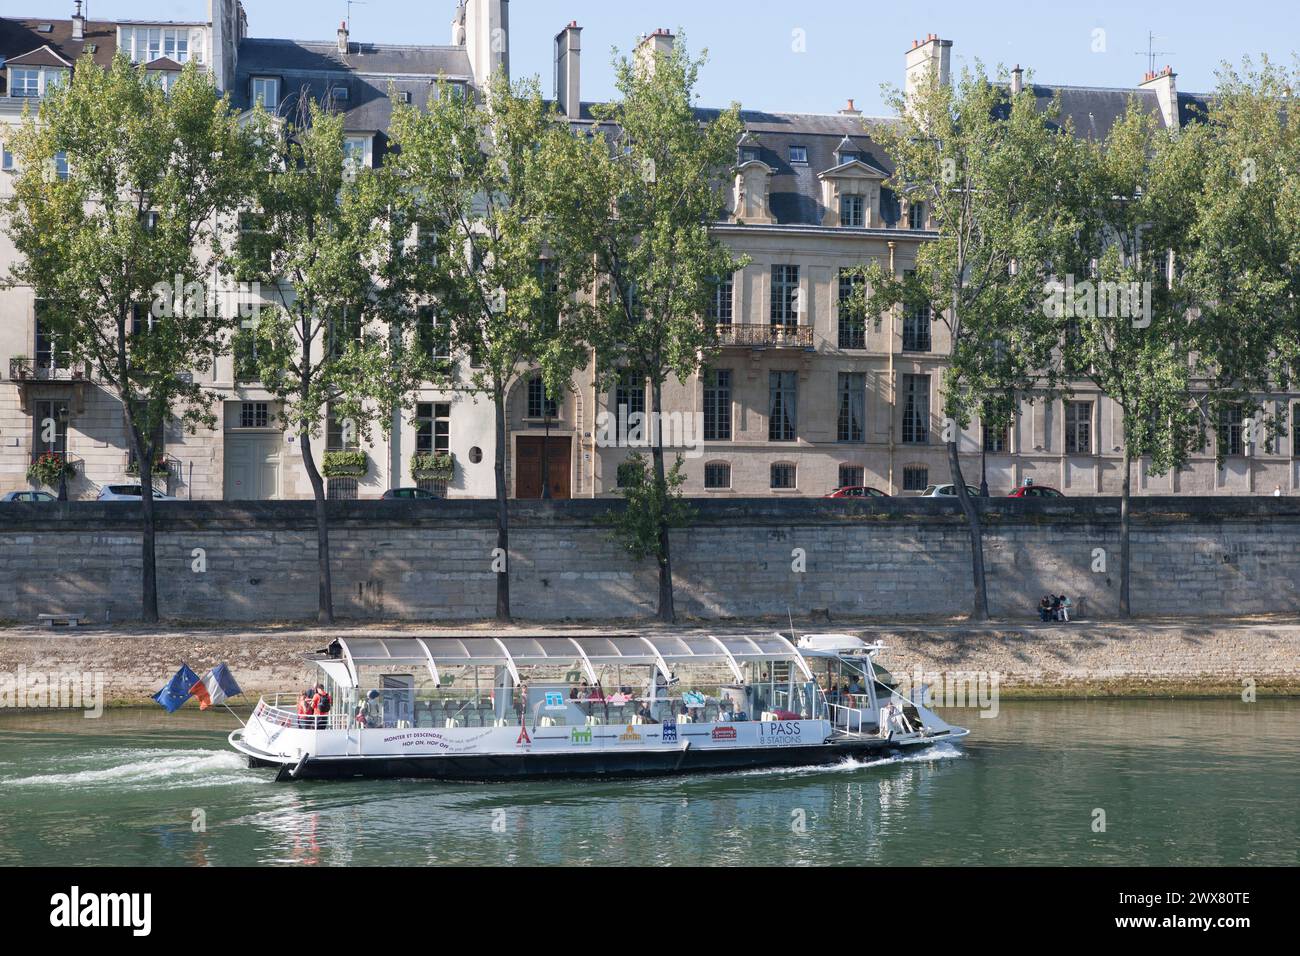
857 491
1035 491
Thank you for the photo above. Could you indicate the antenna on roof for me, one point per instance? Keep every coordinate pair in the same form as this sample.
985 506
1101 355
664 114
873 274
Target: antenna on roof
350 4
1151 52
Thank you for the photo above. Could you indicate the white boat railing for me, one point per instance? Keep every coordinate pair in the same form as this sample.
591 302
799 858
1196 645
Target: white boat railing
850 719
284 717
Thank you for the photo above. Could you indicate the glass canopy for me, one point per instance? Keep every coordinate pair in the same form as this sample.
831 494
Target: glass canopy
590 651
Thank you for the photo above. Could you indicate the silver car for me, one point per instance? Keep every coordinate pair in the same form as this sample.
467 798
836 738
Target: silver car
128 493
948 491
27 496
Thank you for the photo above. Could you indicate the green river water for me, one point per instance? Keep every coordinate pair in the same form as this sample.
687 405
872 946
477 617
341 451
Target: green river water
1180 783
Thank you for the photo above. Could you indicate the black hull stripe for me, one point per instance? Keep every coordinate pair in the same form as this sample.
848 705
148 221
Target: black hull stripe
522 766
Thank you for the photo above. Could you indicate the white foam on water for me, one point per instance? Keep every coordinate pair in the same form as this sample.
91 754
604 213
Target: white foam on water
149 769
849 764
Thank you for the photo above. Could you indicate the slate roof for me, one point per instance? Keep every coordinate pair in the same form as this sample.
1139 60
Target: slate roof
1092 111
316 68
19 35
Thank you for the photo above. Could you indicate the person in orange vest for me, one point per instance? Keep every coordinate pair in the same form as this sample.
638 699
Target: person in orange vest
305 708
320 705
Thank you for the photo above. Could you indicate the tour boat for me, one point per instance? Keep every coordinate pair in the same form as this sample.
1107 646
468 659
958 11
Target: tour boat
486 708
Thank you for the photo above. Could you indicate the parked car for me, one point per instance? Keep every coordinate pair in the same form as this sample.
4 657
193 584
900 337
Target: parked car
128 493
948 491
857 491
407 493
1036 491
27 496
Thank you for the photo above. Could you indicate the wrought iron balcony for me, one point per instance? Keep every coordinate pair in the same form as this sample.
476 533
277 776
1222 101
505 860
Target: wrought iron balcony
23 369
756 336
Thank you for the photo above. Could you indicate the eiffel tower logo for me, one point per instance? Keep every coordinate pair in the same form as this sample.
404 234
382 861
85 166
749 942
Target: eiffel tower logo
523 740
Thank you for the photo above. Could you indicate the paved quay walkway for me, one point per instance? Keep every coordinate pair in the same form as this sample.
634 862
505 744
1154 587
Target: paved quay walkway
1147 657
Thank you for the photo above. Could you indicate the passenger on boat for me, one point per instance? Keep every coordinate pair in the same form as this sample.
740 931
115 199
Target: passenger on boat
321 703
887 714
305 709
645 713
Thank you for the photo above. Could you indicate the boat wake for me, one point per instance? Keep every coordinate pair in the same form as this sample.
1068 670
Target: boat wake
850 764
147 769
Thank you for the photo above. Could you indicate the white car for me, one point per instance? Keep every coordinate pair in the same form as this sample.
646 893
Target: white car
128 493
948 491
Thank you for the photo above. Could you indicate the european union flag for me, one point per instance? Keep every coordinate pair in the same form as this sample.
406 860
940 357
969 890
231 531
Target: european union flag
177 692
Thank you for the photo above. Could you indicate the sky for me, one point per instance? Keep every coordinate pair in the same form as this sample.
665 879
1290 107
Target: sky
803 57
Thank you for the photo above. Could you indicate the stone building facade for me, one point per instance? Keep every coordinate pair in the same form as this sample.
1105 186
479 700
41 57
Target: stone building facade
800 398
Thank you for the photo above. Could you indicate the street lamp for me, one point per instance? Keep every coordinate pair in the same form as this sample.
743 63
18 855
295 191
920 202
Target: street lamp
63 459
546 443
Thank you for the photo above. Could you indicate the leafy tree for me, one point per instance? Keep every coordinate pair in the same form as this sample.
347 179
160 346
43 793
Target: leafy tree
655 182
493 187
1242 259
990 168
334 339
651 506
148 173
1124 315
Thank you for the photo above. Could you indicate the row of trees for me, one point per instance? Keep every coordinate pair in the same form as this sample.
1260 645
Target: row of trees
489 234
1161 265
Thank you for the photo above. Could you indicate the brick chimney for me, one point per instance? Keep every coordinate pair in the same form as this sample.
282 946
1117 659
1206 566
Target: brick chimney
1162 81
850 110
343 38
651 46
568 70
78 24
926 58
1017 80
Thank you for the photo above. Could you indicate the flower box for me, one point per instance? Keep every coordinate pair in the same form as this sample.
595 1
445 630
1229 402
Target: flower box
437 466
49 468
344 464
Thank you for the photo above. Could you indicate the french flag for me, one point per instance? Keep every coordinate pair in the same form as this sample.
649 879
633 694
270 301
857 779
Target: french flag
217 686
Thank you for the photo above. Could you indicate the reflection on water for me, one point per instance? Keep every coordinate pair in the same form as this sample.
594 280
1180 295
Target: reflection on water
1182 782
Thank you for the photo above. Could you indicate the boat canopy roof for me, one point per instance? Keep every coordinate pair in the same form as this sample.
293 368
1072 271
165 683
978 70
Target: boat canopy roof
591 653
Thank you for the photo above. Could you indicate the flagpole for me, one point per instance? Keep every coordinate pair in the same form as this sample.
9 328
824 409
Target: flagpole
233 714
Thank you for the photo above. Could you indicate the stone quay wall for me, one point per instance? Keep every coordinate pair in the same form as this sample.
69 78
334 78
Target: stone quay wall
741 558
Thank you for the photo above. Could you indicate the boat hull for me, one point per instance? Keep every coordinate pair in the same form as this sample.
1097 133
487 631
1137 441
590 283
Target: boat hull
641 763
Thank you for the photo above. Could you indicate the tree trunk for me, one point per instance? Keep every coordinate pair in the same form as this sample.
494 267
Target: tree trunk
325 609
503 509
1125 494
980 608
667 613
148 556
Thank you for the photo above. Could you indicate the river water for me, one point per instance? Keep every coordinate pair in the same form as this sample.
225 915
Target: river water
1179 783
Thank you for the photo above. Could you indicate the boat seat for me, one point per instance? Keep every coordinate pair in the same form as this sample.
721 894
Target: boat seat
548 721
500 722
767 715
685 719
594 721
452 722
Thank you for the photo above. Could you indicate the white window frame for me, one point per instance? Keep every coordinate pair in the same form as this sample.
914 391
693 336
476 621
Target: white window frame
271 83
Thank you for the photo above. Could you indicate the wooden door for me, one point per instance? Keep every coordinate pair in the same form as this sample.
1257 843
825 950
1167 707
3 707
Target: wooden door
528 465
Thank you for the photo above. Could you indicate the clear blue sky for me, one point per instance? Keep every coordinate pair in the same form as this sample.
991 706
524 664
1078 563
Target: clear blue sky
850 46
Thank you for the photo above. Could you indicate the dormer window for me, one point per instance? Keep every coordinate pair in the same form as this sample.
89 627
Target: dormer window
916 215
266 90
35 81
748 154
799 155
339 94
853 211
356 152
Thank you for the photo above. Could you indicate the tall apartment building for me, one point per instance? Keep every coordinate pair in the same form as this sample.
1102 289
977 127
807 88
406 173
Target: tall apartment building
802 397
